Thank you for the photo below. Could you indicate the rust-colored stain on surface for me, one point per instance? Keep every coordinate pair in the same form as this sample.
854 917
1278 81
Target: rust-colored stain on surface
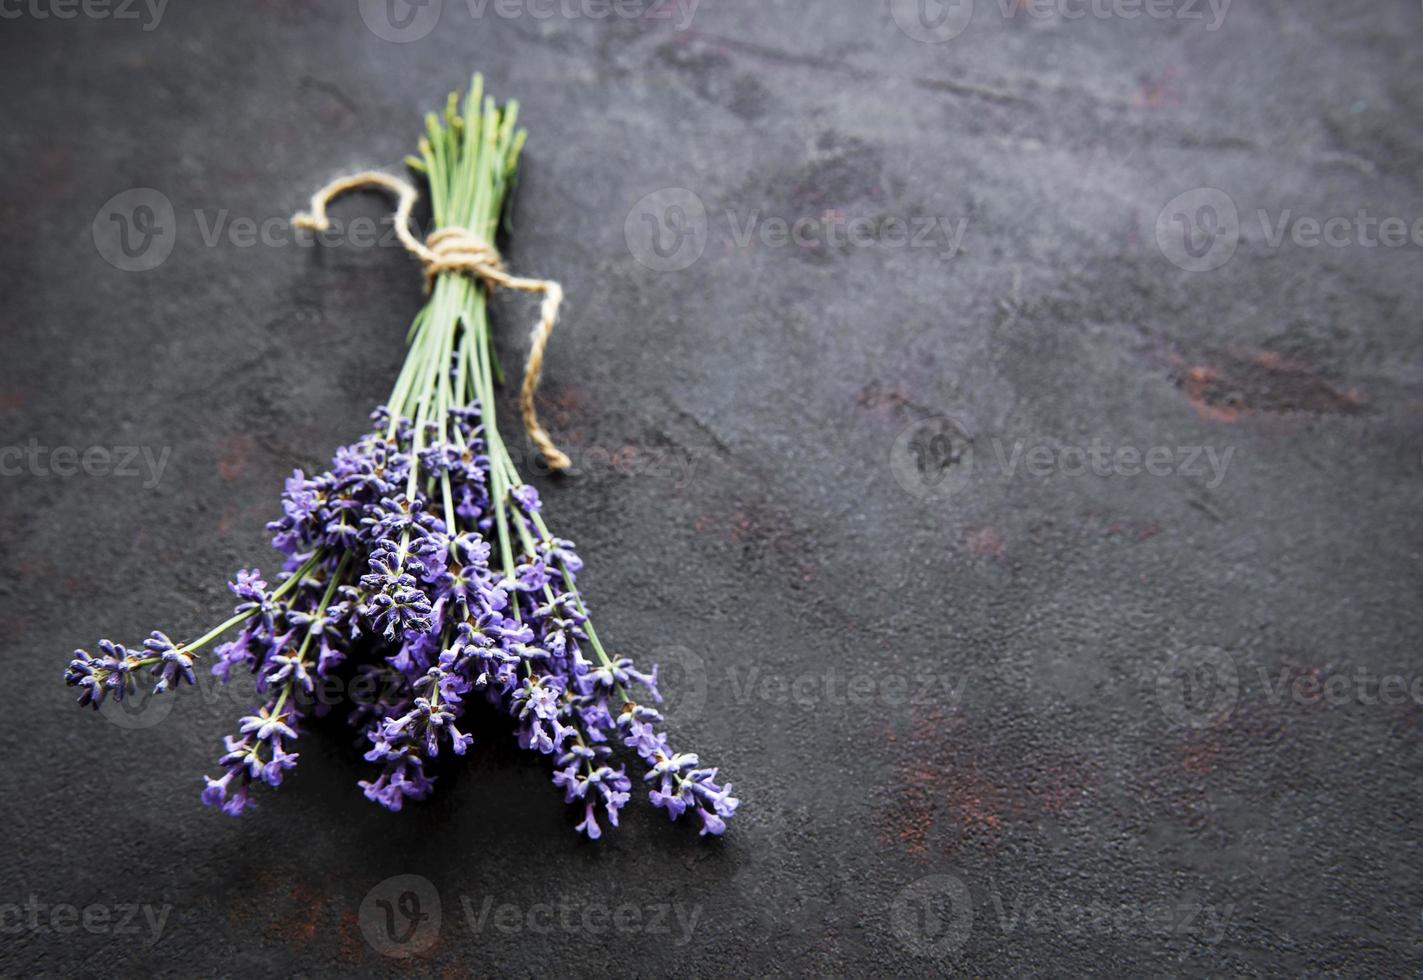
300 926
985 542
1198 754
1160 92
1138 531
296 913
872 396
566 402
942 793
352 946
1233 385
255 514
233 453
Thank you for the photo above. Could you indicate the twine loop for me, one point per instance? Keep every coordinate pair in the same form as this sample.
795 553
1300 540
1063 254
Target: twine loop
460 251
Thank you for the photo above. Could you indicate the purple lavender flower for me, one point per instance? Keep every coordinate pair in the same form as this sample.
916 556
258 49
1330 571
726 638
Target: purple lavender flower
442 614
419 562
257 753
107 674
527 498
173 662
254 598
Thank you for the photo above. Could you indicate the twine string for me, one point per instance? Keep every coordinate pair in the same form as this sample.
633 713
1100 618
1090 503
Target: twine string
461 251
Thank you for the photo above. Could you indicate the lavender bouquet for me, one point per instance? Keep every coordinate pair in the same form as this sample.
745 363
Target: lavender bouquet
421 564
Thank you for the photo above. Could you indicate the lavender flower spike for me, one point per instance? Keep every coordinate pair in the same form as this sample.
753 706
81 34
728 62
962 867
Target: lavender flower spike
419 568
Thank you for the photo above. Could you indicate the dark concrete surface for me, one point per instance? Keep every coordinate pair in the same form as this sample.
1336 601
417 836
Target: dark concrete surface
1108 722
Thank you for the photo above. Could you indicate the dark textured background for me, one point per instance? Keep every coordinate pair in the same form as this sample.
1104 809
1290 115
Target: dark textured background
1050 762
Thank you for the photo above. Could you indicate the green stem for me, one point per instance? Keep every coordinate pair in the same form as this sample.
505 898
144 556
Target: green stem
306 640
223 627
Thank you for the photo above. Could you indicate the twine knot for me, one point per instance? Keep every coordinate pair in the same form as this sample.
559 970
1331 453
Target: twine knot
459 250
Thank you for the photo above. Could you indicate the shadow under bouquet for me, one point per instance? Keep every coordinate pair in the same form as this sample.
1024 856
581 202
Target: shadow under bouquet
420 562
